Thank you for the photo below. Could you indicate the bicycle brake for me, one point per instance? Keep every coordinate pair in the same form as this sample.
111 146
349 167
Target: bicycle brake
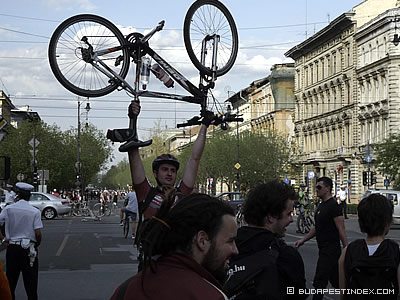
118 60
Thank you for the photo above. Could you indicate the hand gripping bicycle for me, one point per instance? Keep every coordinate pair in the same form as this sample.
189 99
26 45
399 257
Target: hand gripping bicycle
90 57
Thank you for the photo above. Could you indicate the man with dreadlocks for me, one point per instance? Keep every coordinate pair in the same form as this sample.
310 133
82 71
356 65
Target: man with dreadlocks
165 169
194 242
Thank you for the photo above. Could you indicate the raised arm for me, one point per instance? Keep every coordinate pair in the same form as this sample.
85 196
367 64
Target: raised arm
135 162
192 166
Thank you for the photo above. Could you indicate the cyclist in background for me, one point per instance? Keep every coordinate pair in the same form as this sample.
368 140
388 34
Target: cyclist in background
165 169
302 202
130 209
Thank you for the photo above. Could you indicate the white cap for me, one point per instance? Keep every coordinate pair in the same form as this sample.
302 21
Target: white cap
9 186
343 186
24 187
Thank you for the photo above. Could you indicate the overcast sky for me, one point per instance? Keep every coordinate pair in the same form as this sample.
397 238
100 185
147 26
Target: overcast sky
267 29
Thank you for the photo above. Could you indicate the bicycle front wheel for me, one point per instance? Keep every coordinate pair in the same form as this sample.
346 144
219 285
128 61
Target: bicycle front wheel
98 210
126 227
77 46
205 19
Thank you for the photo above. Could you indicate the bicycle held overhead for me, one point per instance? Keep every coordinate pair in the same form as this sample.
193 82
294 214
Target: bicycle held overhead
90 57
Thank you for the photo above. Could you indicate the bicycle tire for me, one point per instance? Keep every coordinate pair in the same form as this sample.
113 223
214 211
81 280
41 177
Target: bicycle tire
126 227
107 210
310 221
301 225
98 210
66 56
193 35
76 211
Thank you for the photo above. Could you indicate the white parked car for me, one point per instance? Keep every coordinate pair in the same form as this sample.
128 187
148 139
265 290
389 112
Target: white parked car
393 196
49 205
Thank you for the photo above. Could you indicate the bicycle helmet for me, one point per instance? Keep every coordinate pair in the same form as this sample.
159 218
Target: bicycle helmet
165 159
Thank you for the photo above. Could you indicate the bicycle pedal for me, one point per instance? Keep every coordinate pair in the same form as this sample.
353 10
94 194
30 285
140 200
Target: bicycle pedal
133 144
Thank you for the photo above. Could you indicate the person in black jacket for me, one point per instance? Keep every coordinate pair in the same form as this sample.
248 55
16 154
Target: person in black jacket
372 263
268 211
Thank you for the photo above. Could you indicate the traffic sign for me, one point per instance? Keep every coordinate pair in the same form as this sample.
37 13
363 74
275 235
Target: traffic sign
237 166
310 174
368 158
386 182
3 122
368 149
33 154
33 142
286 180
20 177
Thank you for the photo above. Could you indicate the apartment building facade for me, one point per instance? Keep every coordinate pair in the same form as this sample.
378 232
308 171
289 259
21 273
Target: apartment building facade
331 116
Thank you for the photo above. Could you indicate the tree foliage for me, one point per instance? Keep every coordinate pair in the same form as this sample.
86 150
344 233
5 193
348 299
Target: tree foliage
388 158
261 158
56 152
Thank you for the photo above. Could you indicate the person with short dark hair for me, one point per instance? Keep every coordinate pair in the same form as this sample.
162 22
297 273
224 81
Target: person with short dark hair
194 241
23 236
375 214
329 231
268 211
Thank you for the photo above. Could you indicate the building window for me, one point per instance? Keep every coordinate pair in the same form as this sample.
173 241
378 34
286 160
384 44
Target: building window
385 128
385 90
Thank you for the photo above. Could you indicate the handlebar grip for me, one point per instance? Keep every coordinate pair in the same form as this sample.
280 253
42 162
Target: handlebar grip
160 25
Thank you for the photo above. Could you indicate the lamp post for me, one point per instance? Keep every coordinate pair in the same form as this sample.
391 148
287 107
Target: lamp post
78 162
237 164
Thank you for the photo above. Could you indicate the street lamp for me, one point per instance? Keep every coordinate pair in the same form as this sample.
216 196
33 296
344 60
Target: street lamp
237 165
78 162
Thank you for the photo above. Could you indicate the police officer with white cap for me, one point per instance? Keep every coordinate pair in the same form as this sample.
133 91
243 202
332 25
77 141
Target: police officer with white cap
9 193
23 236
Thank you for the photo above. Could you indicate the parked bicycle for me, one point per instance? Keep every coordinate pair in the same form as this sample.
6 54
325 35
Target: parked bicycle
90 57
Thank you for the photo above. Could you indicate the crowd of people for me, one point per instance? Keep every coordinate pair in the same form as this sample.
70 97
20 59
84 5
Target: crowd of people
190 247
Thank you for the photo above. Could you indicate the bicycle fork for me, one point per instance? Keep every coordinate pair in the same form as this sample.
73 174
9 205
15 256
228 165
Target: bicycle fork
215 38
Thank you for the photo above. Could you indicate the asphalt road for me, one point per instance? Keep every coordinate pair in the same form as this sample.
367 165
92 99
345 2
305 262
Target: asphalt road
81 258
89 259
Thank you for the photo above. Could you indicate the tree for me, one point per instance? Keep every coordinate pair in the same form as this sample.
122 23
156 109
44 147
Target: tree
388 158
56 152
262 157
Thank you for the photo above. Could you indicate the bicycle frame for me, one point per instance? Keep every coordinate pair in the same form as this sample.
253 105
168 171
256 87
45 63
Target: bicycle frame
199 96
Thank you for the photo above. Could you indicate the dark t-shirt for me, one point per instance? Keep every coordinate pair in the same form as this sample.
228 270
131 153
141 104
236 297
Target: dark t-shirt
143 189
326 231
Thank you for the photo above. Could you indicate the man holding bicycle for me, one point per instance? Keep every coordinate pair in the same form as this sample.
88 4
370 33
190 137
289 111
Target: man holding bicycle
165 169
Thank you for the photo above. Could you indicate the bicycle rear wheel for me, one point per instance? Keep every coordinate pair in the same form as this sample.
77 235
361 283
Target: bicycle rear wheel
302 226
126 227
71 58
206 18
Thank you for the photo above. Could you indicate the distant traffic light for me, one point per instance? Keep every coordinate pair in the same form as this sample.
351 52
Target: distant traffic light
373 178
365 177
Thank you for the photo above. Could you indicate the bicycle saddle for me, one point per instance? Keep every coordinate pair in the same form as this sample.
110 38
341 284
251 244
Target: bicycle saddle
132 144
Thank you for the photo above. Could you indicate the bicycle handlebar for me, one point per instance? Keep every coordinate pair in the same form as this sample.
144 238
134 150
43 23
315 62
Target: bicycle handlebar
159 27
217 120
